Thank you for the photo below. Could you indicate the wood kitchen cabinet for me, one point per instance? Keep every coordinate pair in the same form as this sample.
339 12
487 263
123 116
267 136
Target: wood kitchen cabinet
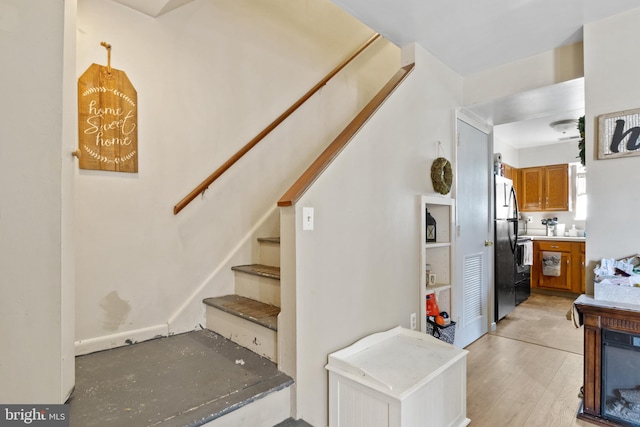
577 254
556 187
544 188
561 282
508 171
531 189
514 175
571 278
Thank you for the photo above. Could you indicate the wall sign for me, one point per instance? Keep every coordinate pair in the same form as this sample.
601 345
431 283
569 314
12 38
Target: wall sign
619 134
107 120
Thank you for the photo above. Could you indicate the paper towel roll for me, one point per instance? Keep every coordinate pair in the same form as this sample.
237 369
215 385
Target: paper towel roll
497 157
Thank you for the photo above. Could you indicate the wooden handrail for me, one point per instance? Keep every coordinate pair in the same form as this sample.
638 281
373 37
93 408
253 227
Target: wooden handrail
226 165
331 152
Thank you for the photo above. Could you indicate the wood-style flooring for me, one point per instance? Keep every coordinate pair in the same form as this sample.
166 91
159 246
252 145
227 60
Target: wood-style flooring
529 371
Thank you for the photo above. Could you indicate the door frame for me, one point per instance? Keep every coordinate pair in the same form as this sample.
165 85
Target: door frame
483 126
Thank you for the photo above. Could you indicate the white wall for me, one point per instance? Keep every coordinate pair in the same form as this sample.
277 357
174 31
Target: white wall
510 154
36 254
358 271
611 84
552 154
545 69
209 75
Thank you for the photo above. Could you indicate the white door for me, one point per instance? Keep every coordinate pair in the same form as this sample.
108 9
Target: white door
474 258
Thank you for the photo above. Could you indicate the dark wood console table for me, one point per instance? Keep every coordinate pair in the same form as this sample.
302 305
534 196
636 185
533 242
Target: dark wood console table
596 316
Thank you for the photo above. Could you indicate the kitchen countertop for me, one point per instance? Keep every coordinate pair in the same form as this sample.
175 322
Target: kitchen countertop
556 238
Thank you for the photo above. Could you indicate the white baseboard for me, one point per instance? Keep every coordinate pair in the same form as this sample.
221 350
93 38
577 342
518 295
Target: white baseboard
107 342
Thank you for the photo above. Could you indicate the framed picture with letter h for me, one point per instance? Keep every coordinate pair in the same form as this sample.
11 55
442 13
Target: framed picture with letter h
619 134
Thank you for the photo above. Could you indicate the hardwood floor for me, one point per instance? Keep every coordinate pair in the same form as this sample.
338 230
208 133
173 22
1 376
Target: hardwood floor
528 372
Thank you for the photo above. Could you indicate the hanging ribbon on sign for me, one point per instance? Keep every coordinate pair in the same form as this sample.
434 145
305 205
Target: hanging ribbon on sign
107 119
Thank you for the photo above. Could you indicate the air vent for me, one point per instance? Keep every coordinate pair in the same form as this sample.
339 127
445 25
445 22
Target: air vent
569 138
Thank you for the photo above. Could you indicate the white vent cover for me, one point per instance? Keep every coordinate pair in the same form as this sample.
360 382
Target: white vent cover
472 277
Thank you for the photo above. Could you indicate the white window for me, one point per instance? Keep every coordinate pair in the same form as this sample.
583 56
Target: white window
581 192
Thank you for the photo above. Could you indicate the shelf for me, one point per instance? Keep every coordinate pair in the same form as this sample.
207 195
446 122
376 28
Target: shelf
437 254
437 245
437 288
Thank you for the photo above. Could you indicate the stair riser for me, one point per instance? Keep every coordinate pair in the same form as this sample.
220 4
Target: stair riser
259 288
269 254
260 340
266 412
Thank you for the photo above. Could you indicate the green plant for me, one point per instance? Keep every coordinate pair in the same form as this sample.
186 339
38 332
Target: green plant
581 149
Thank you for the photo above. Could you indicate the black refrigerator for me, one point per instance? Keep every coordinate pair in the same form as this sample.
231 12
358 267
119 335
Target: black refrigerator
505 241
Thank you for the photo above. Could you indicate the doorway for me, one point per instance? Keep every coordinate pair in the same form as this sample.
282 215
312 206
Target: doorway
474 257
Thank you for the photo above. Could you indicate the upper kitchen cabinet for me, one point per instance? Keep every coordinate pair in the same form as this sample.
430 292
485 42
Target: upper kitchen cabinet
531 189
514 175
545 188
557 187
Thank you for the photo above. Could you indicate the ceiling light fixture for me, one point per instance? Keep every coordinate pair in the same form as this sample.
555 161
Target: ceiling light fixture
564 126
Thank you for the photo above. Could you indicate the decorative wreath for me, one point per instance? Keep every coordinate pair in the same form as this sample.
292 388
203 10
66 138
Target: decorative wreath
441 175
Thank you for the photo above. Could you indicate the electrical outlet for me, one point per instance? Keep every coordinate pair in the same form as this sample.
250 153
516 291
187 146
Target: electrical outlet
413 320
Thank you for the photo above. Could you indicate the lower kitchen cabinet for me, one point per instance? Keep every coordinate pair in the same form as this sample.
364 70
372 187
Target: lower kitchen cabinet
577 252
572 264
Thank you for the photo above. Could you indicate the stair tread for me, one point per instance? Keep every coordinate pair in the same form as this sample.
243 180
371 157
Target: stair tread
255 311
269 239
259 270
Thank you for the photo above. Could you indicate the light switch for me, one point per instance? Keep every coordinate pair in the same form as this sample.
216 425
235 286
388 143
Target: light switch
307 218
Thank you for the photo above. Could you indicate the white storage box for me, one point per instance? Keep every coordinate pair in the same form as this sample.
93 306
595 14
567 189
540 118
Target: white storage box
398 378
616 293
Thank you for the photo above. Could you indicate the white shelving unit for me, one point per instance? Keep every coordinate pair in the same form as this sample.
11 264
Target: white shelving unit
438 254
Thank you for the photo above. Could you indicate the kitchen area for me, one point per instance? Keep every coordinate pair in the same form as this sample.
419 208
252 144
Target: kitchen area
553 229
540 216
536 149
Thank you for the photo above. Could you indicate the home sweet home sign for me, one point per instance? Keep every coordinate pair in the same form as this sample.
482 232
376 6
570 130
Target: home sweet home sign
107 120
619 134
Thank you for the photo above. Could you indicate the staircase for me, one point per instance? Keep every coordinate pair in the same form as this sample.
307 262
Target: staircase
216 377
249 317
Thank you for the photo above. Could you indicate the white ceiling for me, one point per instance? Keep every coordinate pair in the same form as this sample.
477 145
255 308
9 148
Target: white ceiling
472 35
523 119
